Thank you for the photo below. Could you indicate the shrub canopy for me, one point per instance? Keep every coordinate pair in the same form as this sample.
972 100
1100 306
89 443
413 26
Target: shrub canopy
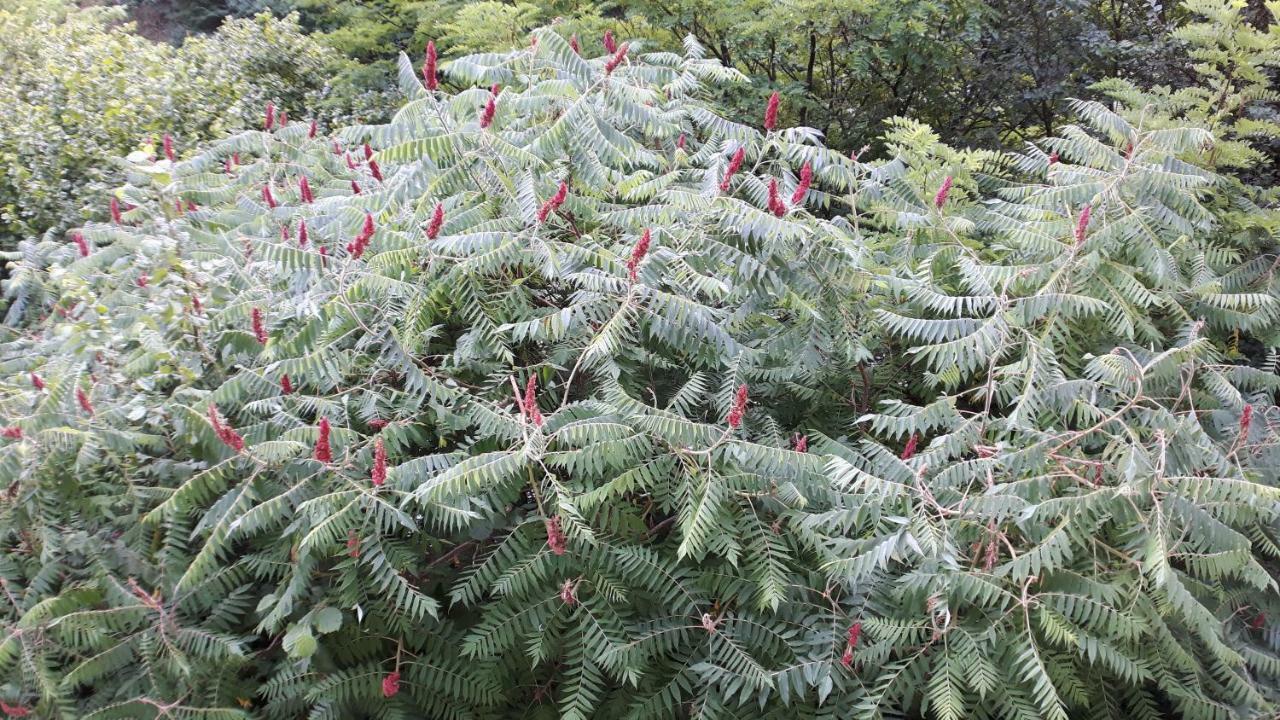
580 400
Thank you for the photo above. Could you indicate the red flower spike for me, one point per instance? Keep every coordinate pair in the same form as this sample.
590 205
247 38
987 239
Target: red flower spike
429 77
553 203
855 632
229 437
143 280
495 89
612 63
16 711
739 409
235 158
486 117
191 206
13 432
83 399
284 233
377 424
776 205
375 170
568 594
1083 224
573 43
847 658
801 443
195 305
368 152
82 245
1246 419
379 475
910 450
940 198
802 189
286 385
771 111
680 141
637 254
268 197
284 118
302 233
367 229
36 382
735 163
555 536
226 166
391 684
323 453
304 187
311 131
324 251
351 165
259 331
115 212
610 44
530 403
353 544
168 147
1053 158
355 187
437 222
270 120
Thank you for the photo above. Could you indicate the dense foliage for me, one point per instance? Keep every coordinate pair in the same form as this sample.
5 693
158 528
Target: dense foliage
988 72
80 90
565 396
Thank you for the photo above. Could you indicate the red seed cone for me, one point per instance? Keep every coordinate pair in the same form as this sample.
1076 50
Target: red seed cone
771 111
304 188
529 405
379 475
228 436
802 188
13 432
555 536
355 187
286 385
910 450
368 152
259 331
283 117
1053 158
391 684
940 198
735 163
268 197
375 170
429 77
15 711
116 217
323 452
776 205
739 409
612 63
680 141
637 254
353 544
82 245
302 233
437 222
311 131
1082 225
83 398
801 443
168 147
37 382
610 44
486 116
553 203
269 121
144 280
573 43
